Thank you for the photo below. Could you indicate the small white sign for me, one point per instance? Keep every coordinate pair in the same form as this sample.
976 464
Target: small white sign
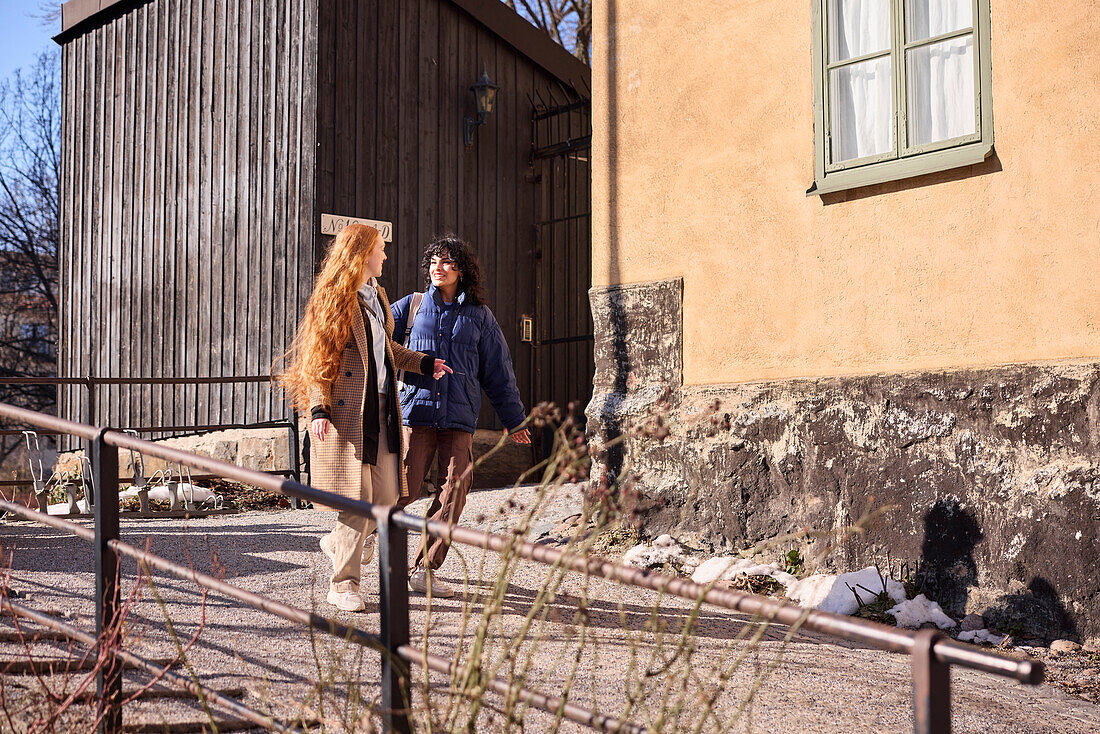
332 224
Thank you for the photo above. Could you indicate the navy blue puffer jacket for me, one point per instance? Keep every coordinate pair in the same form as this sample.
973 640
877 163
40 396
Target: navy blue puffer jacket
469 338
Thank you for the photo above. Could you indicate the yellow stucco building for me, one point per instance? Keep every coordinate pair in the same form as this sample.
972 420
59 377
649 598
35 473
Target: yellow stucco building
870 229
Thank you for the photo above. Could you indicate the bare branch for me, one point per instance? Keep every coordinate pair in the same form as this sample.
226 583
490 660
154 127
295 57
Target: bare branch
568 22
49 13
29 175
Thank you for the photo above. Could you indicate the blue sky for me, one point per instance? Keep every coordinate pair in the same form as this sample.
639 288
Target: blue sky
21 36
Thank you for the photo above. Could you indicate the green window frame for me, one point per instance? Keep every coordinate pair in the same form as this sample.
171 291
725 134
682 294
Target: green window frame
905 160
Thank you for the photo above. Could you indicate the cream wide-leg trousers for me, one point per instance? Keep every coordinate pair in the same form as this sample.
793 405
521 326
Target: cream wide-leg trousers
379 485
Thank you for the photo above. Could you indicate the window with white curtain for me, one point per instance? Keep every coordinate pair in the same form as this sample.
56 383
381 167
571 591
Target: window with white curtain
901 88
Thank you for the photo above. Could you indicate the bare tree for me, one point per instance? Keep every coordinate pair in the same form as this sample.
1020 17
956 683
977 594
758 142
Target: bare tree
569 22
30 161
49 13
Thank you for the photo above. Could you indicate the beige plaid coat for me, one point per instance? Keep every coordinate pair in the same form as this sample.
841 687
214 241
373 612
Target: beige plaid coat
336 463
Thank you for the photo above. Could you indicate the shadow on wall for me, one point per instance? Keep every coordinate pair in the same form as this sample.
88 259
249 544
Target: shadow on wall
615 458
1035 611
992 164
951 533
947 557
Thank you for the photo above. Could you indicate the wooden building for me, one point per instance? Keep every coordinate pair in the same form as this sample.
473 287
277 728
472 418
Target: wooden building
203 140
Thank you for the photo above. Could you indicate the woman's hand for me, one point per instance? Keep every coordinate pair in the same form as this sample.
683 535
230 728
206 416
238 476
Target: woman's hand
441 369
523 437
320 427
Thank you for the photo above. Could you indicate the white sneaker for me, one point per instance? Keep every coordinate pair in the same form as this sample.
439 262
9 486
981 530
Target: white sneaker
418 581
349 601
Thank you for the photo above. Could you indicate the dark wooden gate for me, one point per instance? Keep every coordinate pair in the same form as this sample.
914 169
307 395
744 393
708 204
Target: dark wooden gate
562 337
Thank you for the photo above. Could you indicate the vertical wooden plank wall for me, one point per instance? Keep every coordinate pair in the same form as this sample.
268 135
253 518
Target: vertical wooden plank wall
188 211
203 138
394 81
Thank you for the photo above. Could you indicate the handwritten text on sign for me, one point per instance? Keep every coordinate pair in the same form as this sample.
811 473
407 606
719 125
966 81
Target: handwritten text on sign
332 224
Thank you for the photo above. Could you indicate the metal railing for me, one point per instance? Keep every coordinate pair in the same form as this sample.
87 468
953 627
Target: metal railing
931 652
92 383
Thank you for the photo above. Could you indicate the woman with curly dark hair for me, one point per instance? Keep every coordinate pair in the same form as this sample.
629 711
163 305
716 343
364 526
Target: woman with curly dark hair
466 265
451 322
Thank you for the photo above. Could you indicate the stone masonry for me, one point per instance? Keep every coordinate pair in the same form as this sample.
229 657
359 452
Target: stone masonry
988 479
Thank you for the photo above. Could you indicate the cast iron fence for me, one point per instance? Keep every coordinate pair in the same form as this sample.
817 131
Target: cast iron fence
92 384
930 651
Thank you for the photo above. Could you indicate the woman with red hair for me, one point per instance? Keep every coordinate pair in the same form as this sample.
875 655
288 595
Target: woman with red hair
341 368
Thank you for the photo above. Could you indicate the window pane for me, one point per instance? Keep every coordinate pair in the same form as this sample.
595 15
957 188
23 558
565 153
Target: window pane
861 110
928 18
941 91
857 27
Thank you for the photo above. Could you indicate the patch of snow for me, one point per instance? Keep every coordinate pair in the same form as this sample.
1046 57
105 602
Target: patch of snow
977 636
184 491
725 568
914 612
811 591
662 551
62 508
830 593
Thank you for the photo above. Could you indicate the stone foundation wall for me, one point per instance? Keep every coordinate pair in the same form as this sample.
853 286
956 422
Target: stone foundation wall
989 479
262 449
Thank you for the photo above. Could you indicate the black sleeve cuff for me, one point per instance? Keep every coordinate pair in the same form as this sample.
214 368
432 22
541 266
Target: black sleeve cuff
319 411
427 365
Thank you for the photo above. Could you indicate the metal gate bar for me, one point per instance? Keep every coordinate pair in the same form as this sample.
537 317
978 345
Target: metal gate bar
164 673
563 340
931 654
92 382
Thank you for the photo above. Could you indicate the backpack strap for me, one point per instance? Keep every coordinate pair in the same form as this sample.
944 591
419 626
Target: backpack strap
414 307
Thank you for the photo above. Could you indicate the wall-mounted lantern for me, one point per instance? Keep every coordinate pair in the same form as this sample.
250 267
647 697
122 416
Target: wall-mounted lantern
485 92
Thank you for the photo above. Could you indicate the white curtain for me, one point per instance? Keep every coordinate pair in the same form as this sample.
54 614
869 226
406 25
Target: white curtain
928 18
940 76
860 95
857 28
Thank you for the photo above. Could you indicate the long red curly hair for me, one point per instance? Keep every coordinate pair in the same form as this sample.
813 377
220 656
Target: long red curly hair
314 357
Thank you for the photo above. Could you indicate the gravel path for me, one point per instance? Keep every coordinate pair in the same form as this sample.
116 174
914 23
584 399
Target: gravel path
815 685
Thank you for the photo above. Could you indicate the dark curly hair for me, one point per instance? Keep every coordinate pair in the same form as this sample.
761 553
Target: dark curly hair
459 250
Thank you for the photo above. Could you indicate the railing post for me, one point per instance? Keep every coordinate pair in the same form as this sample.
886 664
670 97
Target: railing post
295 456
931 686
107 595
90 419
393 607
